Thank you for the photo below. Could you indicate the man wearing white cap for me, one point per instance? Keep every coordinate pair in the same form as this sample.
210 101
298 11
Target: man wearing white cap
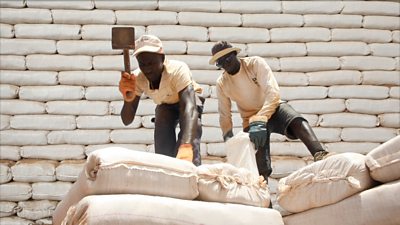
251 84
170 85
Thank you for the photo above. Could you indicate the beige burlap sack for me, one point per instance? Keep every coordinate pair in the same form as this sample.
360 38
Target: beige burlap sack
240 152
324 182
223 182
376 206
155 210
118 170
79 190
384 161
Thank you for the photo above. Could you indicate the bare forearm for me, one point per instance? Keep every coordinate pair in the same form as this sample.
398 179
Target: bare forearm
128 111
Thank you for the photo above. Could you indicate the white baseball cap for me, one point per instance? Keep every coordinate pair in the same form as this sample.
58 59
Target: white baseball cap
148 43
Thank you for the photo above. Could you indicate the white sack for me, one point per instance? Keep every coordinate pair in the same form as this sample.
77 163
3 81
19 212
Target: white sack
13 220
223 182
240 152
15 191
69 170
384 161
378 205
120 170
7 208
154 210
117 170
31 170
324 182
34 210
50 190
5 171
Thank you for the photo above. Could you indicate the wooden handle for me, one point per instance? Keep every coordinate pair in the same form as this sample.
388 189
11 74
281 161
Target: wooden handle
127 62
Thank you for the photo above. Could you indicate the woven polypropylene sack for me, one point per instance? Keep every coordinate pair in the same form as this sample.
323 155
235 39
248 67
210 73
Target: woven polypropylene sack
240 152
384 161
223 182
324 182
155 210
378 205
118 170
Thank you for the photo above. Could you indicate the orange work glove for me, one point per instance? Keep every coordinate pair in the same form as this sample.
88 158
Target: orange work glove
127 86
185 152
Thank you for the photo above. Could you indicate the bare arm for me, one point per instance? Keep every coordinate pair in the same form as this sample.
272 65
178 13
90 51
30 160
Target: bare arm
128 111
225 114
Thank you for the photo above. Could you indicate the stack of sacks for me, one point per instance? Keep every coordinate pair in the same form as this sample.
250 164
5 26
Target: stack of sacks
117 170
156 189
377 205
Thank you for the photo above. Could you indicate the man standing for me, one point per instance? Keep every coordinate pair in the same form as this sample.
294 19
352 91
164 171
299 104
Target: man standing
251 84
170 85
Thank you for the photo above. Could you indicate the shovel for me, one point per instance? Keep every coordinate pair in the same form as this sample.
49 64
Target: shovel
124 38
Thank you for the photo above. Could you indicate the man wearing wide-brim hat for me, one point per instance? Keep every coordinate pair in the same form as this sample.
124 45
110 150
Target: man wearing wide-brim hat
250 83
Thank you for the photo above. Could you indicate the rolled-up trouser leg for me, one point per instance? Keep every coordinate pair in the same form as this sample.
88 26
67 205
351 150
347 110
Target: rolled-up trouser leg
263 159
164 132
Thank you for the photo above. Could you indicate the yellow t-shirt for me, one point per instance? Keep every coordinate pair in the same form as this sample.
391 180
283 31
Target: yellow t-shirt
253 88
175 77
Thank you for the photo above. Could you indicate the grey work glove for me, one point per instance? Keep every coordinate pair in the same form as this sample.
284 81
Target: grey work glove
258 134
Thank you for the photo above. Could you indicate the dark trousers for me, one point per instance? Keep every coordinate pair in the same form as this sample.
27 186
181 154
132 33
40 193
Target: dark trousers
166 121
288 122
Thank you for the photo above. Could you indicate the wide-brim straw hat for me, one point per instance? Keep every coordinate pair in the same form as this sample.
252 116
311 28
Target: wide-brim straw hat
221 53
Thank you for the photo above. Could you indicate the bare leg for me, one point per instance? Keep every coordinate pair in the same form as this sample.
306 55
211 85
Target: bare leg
303 131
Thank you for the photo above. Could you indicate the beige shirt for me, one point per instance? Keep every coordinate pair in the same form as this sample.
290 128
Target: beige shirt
175 77
253 88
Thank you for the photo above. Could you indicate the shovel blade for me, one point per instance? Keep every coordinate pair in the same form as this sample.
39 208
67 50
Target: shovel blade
123 38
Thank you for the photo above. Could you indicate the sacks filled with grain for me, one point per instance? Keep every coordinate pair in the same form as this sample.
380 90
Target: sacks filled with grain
118 170
384 161
374 206
155 210
224 182
324 182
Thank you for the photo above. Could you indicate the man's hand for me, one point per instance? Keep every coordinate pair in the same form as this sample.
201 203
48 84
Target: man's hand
258 134
127 86
185 152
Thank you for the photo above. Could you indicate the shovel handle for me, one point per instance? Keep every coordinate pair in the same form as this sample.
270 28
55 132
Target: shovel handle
127 62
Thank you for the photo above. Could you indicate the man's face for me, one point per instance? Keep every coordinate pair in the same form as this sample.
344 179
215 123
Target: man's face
229 62
151 64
